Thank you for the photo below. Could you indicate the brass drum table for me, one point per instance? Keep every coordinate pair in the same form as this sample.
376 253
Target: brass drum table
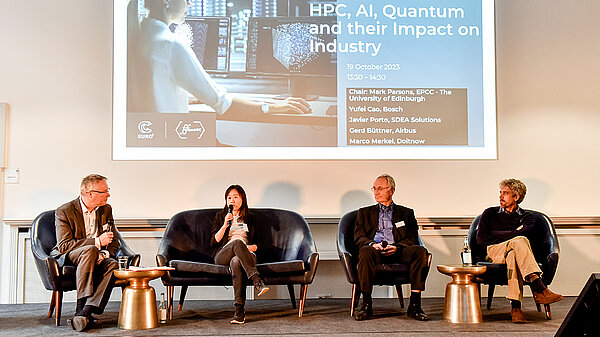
138 304
461 304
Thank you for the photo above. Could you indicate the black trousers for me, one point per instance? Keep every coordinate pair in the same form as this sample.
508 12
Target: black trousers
242 262
369 258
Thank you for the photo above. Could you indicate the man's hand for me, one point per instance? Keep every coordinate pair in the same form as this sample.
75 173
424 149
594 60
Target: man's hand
105 238
100 258
292 105
389 250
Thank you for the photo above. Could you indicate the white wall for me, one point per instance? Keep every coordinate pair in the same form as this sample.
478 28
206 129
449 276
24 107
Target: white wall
55 72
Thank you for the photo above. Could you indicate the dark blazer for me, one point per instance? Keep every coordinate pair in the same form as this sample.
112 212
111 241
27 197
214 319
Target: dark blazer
367 221
70 230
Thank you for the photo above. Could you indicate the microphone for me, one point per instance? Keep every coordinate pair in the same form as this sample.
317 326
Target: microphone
109 225
229 210
384 244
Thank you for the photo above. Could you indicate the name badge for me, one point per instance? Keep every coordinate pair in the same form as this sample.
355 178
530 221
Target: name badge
399 224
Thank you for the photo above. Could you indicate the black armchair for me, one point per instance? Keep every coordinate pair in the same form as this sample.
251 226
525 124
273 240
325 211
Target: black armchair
61 279
289 258
385 274
545 249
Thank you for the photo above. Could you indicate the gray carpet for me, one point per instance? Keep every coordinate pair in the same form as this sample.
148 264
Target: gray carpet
277 318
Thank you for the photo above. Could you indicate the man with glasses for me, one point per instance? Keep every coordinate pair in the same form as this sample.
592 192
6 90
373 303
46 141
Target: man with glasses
387 233
87 239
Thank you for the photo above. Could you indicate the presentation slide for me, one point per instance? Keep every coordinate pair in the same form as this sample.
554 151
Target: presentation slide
391 79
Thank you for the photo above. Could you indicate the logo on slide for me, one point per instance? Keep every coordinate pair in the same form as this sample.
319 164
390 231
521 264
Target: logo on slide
144 127
183 129
145 131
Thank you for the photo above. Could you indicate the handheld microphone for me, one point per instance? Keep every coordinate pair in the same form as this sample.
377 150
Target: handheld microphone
229 210
109 225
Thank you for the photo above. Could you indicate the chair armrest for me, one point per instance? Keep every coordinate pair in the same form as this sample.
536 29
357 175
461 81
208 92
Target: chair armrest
313 261
550 266
161 260
349 267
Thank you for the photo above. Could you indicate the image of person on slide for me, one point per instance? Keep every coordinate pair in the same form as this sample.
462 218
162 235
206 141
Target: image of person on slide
162 71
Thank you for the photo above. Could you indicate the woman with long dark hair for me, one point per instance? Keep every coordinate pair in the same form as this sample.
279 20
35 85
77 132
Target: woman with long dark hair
233 239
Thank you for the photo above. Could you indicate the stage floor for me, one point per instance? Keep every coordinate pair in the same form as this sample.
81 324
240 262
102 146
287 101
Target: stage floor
277 318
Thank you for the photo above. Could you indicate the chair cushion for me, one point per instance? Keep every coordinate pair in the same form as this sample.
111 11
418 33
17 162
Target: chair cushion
295 266
199 267
69 270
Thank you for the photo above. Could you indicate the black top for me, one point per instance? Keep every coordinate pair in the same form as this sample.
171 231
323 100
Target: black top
496 225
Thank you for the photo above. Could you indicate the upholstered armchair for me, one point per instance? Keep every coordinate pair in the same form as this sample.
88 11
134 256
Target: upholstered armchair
61 279
385 274
290 257
545 249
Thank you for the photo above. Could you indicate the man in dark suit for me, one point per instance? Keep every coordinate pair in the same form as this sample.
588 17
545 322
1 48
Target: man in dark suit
86 238
387 233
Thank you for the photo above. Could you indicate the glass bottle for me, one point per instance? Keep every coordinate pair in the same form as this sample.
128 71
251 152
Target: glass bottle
162 309
465 254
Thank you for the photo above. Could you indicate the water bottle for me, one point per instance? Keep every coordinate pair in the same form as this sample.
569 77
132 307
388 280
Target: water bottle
162 309
465 255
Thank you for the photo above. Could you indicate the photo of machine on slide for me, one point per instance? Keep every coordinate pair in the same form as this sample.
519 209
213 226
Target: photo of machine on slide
185 86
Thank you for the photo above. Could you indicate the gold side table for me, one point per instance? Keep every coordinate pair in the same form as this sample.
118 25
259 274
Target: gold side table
461 304
138 304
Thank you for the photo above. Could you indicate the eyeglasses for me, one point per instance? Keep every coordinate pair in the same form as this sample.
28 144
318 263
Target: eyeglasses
379 189
100 192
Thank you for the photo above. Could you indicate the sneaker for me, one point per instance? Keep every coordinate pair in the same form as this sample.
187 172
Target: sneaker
78 323
546 297
517 315
239 317
259 286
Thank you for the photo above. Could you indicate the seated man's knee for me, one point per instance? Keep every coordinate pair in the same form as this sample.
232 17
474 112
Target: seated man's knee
90 251
520 240
366 251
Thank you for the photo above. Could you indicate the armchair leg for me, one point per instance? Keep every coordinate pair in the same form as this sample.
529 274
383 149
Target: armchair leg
182 297
303 289
58 304
400 297
292 294
354 299
539 308
170 301
52 304
490 295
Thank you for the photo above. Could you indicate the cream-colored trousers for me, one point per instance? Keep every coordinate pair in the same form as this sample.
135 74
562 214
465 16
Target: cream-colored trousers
520 262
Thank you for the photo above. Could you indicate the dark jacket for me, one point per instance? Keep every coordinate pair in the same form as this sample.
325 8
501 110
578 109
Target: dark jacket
367 221
251 221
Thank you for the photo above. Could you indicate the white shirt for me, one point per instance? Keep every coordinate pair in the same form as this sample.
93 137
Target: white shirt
89 218
162 71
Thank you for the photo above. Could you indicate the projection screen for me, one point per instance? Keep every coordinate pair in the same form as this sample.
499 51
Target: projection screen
388 80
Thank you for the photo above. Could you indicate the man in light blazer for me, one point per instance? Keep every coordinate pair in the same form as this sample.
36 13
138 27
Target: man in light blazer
387 233
86 238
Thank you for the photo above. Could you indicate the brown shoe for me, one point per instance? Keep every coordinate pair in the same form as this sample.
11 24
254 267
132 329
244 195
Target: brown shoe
546 297
517 315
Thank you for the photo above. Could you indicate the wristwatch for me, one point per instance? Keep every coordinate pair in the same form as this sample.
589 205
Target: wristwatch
265 108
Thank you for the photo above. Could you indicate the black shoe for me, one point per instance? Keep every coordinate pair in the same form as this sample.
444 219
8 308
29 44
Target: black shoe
239 317
417 313
259 286
365 311
78 323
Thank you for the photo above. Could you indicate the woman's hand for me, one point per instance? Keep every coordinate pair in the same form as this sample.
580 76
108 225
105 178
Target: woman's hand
252 248
291 105
228 219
